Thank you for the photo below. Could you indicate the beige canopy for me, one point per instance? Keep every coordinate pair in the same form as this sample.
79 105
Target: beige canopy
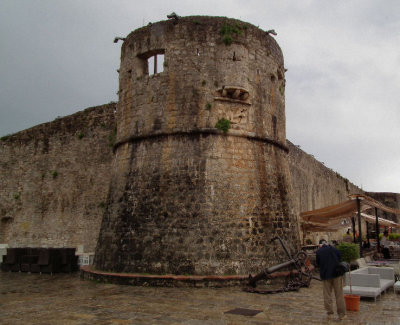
381 221
332 218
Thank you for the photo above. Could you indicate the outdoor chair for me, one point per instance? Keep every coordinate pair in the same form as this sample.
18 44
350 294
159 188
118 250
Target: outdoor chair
368 259
43 259
69 261
361 262
9 260
13 259
396 268
49 261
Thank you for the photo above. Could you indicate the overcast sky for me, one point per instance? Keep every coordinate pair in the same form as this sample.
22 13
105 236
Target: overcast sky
57 57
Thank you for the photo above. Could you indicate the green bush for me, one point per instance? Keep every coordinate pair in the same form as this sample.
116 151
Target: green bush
394 236
390 237
223 125
349 251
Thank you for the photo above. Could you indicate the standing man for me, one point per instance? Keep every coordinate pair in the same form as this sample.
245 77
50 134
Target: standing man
385 245
327 258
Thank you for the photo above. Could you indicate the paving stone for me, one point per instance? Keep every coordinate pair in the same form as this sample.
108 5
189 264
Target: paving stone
66 299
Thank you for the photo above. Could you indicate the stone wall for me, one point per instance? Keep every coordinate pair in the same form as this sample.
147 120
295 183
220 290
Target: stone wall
187 197
178 195
314 185
54 180
392 200
34 210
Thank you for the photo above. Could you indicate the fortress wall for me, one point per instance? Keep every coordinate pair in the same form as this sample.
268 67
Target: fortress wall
314 185
38 210
180 224
178 195
185 196
392 200
54 180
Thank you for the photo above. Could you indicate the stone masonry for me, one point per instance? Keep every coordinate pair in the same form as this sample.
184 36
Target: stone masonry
313 184
186 197
54 181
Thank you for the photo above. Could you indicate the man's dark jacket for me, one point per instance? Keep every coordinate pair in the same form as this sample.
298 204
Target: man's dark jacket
327 259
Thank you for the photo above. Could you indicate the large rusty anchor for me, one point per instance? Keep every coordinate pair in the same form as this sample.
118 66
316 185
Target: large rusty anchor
300 275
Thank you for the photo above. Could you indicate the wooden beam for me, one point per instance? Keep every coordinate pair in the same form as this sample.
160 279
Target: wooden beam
377 230
359 225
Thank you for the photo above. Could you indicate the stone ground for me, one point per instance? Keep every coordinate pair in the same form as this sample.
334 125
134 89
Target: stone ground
66 299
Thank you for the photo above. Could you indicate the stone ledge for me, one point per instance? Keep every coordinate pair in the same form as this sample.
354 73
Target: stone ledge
232 100
203 131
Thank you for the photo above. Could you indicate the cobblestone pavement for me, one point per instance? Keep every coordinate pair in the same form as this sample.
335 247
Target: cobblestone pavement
66 299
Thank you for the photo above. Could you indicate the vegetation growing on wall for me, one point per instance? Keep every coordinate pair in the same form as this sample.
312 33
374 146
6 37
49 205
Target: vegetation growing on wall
228 31
112 136
223 125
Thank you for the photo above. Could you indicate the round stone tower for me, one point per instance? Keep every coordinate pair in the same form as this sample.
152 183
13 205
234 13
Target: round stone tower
201 179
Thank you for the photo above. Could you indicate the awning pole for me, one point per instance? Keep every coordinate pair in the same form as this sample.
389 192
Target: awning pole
366 225
377 230
359 226
353 224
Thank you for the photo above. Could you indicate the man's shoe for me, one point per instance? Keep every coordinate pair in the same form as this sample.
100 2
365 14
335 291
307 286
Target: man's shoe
342 317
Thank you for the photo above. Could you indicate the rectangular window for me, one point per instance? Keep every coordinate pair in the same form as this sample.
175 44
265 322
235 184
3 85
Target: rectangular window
155 64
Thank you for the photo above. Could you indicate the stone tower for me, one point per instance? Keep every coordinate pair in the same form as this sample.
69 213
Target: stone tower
188 197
